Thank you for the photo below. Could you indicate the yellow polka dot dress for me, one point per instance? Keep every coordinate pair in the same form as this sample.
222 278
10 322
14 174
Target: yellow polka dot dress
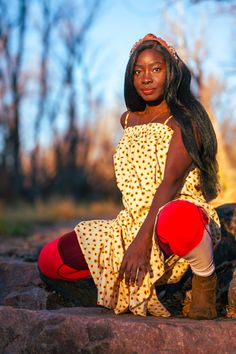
139 163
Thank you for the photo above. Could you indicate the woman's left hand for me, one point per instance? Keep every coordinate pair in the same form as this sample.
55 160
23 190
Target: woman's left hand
135 263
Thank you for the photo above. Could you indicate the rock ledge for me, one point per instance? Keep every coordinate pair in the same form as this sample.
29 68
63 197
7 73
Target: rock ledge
97 330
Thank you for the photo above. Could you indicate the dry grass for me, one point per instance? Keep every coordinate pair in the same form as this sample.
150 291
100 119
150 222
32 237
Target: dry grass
21 218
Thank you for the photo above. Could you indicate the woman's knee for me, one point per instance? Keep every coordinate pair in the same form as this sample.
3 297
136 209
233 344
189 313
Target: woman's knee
49 259
62 258
181 225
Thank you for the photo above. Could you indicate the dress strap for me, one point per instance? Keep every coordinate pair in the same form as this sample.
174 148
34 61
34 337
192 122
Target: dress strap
167 120
126 119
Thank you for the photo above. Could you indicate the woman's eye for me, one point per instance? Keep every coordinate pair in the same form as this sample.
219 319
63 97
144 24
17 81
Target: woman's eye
157 70
137 72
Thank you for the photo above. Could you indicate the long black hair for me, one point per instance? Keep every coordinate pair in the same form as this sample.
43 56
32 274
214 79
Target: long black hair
197 131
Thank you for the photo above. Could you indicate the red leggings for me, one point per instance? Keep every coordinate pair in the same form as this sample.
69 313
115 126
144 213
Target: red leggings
179 229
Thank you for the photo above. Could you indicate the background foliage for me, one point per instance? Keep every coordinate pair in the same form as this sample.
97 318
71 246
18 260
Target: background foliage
51 91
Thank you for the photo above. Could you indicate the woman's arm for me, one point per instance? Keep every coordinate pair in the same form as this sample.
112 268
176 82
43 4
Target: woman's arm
178 163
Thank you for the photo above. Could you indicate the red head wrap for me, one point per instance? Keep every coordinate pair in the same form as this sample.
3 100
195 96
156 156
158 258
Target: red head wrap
152 37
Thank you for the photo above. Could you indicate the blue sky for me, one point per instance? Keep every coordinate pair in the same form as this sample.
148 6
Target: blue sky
119 24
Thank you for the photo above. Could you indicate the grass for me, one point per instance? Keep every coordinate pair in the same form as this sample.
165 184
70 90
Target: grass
22 218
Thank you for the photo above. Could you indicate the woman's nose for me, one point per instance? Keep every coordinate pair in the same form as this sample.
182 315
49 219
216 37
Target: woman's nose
147 78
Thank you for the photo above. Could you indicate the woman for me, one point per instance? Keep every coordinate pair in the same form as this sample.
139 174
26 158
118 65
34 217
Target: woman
166 169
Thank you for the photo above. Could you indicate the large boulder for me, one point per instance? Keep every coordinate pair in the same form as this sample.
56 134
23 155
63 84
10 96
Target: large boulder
97 330
20 285
226 250
225 255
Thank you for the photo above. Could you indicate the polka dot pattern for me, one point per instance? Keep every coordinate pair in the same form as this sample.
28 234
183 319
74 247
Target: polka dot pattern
139 162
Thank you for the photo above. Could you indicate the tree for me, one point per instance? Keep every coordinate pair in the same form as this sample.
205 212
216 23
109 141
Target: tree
60 29
12 90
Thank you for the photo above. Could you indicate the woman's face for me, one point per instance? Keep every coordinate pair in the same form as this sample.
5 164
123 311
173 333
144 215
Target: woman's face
150 75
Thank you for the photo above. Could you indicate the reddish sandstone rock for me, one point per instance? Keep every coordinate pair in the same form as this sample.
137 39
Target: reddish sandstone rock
226 250
16 275
231 307
33 298
96 330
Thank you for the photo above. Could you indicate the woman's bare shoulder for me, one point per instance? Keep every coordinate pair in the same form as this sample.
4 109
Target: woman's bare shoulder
173 124
123 117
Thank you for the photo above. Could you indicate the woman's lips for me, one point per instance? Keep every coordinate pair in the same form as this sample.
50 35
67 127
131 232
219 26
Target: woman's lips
148 91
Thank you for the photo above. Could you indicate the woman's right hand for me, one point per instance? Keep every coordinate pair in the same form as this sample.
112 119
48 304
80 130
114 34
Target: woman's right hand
136 260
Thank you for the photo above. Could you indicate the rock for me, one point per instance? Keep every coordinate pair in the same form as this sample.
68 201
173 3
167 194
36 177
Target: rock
77 293
232 291
226 250
20 285
231 307
24 248
30 298
225 253
28 248
96 330
17 275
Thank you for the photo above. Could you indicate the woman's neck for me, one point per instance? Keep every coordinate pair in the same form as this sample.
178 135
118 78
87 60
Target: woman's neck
156 108
157 112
